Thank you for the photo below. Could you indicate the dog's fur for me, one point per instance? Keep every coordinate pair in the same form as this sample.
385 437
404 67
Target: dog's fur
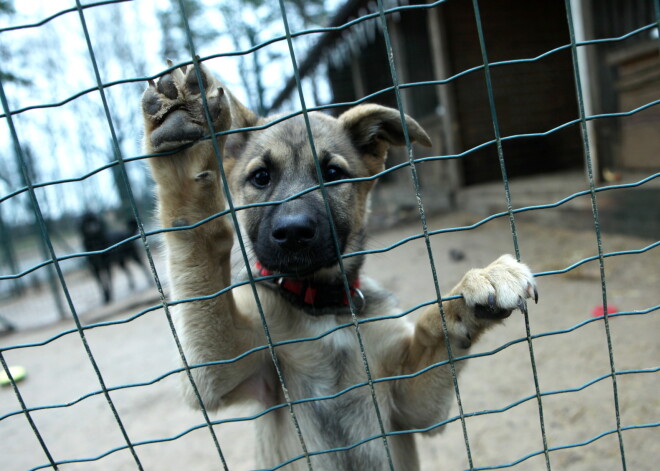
294 237
96 237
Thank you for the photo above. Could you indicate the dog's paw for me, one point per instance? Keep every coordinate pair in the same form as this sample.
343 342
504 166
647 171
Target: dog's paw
496 291
174 110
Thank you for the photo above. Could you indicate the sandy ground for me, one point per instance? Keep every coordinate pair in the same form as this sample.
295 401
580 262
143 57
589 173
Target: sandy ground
60 372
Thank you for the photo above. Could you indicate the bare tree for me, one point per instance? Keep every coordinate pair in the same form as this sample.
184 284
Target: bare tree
254 22
117 46
7 8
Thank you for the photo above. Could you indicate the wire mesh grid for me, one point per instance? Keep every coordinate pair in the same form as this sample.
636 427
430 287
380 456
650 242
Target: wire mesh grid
54 261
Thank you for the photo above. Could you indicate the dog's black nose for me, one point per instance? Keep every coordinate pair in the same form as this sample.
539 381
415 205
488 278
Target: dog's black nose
294 231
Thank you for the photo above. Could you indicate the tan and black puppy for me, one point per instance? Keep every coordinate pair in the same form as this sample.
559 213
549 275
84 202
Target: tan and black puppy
293 239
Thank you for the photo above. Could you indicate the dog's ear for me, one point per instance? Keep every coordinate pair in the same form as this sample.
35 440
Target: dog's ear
374 128
241 118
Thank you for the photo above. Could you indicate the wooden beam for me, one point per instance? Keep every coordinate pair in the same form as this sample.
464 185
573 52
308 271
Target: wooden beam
446 94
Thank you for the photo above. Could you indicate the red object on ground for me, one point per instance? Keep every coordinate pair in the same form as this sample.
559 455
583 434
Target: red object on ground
598 311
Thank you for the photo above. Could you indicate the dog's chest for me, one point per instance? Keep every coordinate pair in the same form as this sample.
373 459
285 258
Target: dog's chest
326 357
327 381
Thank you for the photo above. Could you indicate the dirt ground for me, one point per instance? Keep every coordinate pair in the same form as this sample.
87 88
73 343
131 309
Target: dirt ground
59 372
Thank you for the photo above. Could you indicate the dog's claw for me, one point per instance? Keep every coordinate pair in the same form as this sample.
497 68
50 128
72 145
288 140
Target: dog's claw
172 104
533 293
466 342
491 301
499 289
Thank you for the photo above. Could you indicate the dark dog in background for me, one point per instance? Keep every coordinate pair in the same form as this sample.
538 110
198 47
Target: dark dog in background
96 236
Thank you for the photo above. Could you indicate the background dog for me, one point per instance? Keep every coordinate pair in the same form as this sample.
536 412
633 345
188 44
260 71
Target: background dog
96 237
305 208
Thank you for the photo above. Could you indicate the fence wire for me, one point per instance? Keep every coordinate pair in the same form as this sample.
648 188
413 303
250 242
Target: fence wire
382 14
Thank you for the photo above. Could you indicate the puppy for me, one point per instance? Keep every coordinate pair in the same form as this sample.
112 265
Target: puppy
296 251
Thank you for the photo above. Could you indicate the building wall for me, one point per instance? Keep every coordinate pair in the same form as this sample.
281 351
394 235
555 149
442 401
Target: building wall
638 71
625 75
531 97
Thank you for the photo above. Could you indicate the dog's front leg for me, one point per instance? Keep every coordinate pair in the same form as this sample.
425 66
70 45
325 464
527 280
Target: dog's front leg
489 295
189 190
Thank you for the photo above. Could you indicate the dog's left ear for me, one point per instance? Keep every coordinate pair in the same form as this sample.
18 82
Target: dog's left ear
374 128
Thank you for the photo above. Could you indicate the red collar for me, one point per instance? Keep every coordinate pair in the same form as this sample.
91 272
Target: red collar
315 295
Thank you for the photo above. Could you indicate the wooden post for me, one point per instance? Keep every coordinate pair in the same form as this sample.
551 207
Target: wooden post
400 61
446 98
582 25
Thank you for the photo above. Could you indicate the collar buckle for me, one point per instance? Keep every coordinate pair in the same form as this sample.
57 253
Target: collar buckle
360 296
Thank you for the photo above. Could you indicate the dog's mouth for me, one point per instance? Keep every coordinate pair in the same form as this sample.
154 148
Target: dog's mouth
300 264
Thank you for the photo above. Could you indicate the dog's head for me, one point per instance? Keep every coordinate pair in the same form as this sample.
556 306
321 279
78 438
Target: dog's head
294 234
92 225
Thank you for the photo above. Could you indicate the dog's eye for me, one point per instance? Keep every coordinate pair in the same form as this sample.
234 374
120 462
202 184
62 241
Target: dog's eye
333 173
260 178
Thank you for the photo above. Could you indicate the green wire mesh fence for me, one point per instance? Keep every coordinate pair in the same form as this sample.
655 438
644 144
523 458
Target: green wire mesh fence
382 12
